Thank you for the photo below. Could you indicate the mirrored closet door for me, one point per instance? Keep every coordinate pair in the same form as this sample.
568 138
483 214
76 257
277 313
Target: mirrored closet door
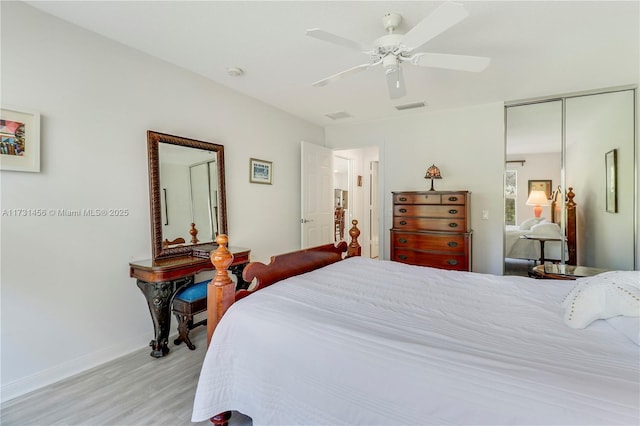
585 142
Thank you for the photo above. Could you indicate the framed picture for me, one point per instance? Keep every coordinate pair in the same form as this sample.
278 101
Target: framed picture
610 166
260 171
540 185
19 140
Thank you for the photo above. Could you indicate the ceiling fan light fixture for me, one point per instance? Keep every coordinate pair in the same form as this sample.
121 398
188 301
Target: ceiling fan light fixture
393 48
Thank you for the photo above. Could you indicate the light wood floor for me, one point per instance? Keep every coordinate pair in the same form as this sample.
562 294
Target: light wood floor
133 390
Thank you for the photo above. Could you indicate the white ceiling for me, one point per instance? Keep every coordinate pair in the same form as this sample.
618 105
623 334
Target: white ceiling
537 48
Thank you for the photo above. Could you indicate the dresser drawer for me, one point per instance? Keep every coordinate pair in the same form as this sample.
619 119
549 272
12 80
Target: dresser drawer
418 223
429 211
458 262
429 242
417 199
453 199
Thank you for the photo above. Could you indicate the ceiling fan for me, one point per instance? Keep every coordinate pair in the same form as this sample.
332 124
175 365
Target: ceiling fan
393 49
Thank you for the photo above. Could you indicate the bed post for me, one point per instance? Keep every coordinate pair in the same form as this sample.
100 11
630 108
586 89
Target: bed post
221 290
571 228
354 248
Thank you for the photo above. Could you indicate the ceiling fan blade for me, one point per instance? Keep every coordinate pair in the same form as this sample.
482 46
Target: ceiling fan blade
336 39
443 18
452 62
395 83
342 74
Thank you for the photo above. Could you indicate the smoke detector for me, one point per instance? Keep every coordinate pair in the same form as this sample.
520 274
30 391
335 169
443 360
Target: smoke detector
235 71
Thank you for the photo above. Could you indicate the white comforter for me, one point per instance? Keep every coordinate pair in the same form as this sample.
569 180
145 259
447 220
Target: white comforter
366 342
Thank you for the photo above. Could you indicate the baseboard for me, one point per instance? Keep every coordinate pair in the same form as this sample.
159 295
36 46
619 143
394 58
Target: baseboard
70 368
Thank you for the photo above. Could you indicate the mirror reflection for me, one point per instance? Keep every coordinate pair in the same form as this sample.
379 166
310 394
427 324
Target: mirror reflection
187 194
591 125
189 185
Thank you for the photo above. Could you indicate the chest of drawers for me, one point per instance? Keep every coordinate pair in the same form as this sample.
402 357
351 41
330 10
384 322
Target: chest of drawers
432 228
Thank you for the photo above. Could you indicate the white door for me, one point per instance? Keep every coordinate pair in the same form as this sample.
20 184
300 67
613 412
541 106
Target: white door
317 195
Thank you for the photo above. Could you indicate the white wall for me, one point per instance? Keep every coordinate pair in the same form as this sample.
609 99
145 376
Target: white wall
467 145
68 302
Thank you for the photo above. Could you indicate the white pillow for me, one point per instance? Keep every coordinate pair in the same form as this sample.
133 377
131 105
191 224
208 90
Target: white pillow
527 224
629 326
603 296
546 229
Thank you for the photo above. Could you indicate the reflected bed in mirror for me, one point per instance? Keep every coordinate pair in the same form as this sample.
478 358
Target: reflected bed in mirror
187 194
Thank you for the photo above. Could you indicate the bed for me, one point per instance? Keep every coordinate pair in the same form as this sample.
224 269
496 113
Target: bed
518 246
363 341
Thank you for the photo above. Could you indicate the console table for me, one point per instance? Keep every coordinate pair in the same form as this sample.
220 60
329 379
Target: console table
160 280
542 240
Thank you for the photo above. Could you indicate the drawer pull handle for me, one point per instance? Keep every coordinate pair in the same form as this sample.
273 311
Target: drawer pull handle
452 244
403 210
453 211
452 262
453 198
402 257
403 222
402 240
403 198
453 225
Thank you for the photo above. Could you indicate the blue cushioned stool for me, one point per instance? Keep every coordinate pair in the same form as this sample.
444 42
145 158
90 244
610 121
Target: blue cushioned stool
188 303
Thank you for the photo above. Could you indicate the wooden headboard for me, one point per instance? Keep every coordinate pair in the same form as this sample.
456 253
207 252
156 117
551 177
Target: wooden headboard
570 229
221 291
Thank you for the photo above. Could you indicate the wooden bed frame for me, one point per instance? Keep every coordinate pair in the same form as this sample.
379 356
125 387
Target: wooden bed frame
570 229
221 292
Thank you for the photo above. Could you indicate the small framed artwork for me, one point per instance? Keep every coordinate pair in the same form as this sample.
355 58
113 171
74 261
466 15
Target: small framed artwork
260 171
610 176
540 185
19 140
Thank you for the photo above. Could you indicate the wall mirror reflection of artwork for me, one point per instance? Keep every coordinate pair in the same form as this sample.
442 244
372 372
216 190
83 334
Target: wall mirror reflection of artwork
540 185
610 166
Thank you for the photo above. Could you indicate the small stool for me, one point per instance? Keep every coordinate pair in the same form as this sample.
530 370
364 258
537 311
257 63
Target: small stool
188 303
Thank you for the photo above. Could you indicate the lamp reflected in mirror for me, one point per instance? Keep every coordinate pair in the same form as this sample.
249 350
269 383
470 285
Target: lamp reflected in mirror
537 199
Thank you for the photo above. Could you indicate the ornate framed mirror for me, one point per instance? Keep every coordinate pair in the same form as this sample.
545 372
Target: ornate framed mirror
186 194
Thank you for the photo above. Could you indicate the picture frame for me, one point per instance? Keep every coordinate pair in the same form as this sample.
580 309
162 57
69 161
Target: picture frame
260 171
540 185
19 140
611 199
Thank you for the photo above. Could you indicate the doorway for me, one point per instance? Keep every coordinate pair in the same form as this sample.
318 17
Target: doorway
356 186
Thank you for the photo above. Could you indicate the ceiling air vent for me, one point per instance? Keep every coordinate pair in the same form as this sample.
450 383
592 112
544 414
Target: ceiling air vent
338 115
410 106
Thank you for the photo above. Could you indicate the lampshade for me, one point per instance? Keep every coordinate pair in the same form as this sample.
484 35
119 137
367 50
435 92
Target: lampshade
537 199
433 173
